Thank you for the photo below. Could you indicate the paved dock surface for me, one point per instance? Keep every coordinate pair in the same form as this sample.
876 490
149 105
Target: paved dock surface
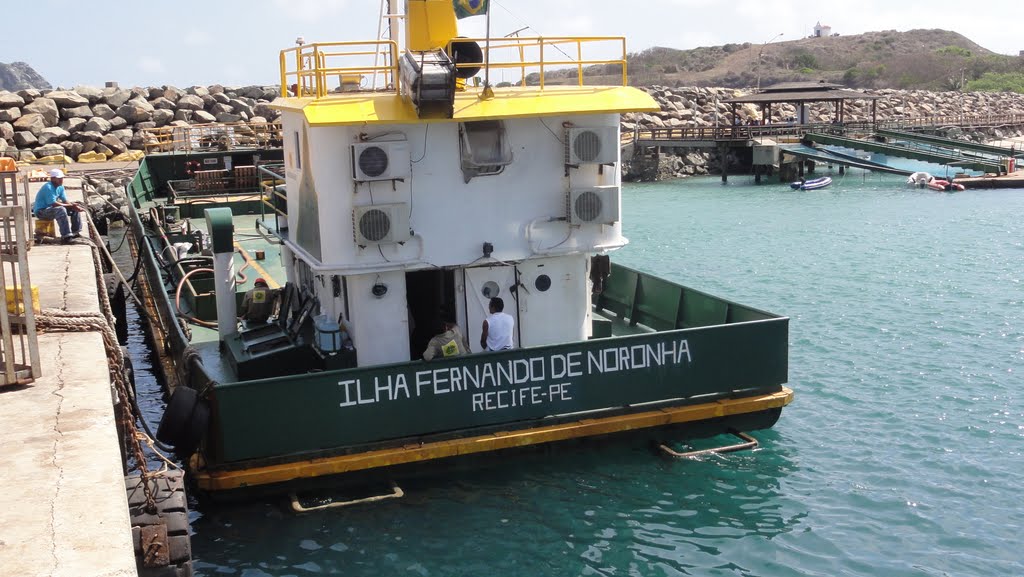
63 509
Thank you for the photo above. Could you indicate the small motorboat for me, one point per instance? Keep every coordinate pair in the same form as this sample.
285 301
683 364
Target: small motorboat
939 185
919 179
813 184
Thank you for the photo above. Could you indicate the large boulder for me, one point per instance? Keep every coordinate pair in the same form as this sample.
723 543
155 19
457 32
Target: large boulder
77 112
52 149
172 93
203 117
6 131
97 124
197 91
25 139
154 92
104 111
67 98
162 103
88 136
53 134
11 100
113 143
31 122
73 125
72 149
242 108
183 115
162 116
220 97
29 94
117 123
134 113
227 118
190 102
265 111
208 101
221 108
215 89
45 107
9 114
116 97
124 135
90 93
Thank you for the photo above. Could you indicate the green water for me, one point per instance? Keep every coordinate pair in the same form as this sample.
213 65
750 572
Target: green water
901 454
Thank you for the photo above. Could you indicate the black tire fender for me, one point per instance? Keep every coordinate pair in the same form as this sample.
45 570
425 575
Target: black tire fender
184 421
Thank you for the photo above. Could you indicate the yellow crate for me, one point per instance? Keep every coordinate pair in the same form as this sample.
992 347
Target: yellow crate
10 301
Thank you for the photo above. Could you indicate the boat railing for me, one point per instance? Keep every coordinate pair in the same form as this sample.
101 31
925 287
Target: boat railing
213 136
543 60
645 300
321 70
316 70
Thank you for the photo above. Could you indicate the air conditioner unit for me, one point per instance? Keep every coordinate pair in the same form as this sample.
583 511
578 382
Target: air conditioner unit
380 160
381 224
598 145
597 205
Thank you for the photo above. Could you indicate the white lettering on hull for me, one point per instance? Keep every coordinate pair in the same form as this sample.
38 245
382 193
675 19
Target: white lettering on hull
497 385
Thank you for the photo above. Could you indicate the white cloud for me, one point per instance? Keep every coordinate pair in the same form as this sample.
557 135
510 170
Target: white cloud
151 65
196 37
310 11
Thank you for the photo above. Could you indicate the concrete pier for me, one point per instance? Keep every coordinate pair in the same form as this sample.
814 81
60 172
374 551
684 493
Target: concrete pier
63 508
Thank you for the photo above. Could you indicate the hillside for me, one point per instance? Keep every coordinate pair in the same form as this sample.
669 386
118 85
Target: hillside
918 60
19 76
914 60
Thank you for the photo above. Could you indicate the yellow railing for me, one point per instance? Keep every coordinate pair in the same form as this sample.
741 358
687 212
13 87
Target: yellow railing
544 54
216 136
318 70
310 70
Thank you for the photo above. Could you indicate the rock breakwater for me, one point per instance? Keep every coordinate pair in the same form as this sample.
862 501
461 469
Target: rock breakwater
87 123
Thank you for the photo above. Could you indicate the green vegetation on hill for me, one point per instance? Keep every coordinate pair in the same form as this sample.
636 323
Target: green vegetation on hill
915 60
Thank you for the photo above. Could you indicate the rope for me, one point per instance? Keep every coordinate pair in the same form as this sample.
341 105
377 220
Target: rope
57 320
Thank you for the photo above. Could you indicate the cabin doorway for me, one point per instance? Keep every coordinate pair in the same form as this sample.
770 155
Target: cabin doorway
430 295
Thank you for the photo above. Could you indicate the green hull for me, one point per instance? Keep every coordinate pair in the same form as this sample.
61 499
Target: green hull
668 346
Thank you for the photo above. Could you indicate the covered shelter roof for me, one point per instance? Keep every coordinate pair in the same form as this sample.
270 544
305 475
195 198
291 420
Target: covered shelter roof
808 92
803 93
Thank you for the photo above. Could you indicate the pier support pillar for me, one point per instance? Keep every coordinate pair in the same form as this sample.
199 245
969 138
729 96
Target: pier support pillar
842 170
723 153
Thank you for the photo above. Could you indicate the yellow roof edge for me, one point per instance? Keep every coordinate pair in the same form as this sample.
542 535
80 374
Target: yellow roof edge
390 108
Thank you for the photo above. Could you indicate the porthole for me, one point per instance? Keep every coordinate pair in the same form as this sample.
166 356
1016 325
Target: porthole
543 283
491 289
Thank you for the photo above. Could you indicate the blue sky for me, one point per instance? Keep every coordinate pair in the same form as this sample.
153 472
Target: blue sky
186 42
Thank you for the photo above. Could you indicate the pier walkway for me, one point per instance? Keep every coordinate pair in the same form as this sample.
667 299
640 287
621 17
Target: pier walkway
904 138
63 509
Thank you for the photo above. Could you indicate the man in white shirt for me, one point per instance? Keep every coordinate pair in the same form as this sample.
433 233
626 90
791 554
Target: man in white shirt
497 331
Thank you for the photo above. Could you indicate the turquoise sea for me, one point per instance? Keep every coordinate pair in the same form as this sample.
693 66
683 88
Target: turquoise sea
900 456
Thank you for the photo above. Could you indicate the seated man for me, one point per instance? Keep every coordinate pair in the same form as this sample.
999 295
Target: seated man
258 304
450 343
52 204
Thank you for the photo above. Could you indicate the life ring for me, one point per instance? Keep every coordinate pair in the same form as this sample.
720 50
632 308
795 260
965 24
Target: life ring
184 421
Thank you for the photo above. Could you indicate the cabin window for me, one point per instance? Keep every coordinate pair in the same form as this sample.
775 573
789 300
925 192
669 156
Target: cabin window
484 148
298 150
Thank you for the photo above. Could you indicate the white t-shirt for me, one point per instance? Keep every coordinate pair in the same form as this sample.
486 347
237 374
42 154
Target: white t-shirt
499 331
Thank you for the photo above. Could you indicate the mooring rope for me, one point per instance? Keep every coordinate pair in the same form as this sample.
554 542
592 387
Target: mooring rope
57 320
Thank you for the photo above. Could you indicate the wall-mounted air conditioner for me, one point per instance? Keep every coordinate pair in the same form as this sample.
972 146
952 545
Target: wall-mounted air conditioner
596 205
380 160
597 145
381 224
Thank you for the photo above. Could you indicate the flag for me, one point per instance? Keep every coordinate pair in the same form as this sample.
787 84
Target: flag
467 8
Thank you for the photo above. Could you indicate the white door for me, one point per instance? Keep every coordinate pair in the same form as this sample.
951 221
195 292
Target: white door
553 300
483 283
